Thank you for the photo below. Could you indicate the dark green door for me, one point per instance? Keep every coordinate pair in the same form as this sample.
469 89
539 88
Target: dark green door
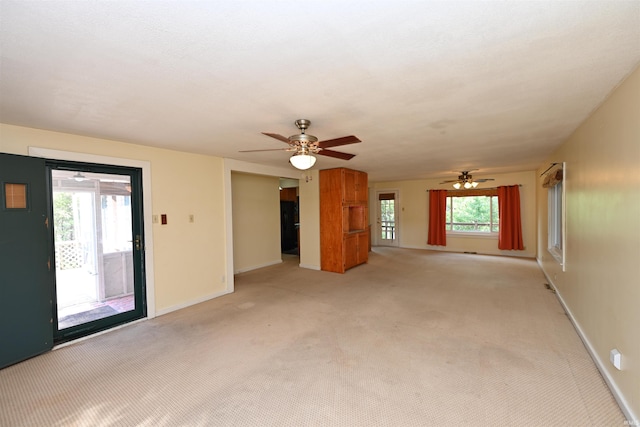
26 279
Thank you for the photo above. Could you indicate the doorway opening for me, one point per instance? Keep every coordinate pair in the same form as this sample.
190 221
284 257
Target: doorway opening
289 217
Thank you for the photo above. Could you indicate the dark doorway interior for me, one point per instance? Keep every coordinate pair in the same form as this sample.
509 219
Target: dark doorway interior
288 227
289 221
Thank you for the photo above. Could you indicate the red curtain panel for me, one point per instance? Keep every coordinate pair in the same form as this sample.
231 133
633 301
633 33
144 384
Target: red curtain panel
437 218
510 234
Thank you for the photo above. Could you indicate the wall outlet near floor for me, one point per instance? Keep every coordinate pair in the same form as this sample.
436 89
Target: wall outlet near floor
615 358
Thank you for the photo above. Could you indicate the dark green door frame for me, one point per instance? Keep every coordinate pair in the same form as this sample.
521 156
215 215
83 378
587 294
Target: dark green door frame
137 236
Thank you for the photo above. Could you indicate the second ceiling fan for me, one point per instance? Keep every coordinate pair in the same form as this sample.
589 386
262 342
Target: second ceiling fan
465 179
303 145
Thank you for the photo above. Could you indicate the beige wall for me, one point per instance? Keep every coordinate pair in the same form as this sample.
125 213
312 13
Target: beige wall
309 192
413 215
256 221
601 285
189 258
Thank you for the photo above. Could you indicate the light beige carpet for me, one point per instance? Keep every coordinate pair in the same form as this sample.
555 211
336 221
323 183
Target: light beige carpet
414 338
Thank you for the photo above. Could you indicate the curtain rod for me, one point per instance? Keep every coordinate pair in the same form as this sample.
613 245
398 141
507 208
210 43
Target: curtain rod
492 188
547 170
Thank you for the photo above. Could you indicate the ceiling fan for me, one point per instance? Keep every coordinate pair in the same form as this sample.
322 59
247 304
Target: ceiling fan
303 145
465 179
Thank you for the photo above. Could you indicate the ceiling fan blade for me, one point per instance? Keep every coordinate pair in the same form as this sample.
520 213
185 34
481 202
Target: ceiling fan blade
484 179
336 154
277 136
269 149
451 180
351 139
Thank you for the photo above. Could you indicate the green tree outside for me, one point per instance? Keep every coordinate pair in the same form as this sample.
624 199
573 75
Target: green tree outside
472 213
64 229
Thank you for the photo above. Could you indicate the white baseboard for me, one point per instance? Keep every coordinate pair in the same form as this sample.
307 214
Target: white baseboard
191 302
309 266
615 391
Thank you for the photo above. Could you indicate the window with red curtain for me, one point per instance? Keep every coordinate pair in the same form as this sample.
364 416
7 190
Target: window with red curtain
510 233
437 218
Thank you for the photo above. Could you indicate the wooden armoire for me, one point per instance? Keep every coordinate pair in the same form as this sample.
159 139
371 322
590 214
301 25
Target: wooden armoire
344 215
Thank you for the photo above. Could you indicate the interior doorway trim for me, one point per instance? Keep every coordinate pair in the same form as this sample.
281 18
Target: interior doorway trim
146 204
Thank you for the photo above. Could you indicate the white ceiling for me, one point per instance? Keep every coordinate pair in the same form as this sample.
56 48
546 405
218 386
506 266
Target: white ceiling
430 87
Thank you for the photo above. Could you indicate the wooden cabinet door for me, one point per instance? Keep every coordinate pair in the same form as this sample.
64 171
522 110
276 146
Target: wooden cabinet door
349 185
363 247
361 187
350 251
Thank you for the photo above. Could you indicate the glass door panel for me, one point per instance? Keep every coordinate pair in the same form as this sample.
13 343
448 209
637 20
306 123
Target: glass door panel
95 238
387 218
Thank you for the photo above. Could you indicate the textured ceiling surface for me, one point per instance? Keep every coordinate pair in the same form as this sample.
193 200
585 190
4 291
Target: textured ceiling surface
429 87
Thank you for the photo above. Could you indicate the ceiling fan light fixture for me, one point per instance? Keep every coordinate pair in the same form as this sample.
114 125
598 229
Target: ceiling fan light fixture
466 180
302 161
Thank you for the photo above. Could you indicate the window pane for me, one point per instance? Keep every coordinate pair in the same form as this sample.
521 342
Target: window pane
387 210
555 216
15 196
116 223
387 219
495 214
472 214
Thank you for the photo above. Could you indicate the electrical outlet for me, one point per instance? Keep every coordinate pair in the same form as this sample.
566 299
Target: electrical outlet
616 359
192 218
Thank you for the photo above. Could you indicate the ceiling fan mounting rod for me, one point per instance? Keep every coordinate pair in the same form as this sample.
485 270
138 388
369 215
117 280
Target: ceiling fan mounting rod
303 124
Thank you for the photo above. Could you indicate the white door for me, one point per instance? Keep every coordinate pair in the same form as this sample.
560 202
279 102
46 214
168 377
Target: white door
387 221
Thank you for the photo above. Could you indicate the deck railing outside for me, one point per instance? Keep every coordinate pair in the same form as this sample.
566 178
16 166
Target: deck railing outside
472 226
388 229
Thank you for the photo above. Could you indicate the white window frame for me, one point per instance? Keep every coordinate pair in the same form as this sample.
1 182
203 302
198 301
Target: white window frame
482 234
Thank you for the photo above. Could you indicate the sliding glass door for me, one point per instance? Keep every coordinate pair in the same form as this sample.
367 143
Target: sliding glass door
99 247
